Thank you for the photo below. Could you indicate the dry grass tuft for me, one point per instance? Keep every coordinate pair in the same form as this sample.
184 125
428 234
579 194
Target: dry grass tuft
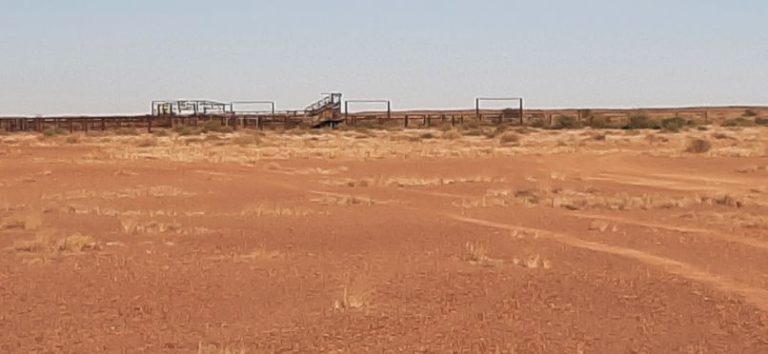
344 200
509 139
533 262
452 134
244 140
218 349
44 245
698 146
351 300
147 142
477 254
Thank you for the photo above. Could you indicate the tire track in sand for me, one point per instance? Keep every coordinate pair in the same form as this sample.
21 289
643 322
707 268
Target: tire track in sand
756 296
652 225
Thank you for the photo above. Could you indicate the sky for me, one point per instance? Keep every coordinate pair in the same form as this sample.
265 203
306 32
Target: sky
98 56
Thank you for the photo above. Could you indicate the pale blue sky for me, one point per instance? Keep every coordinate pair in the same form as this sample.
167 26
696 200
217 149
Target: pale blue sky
99 56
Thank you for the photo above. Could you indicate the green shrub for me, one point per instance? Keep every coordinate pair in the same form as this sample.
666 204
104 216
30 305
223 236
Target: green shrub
738 122
427 135
599 122
54 132
641 121
673 124
537 123
567 122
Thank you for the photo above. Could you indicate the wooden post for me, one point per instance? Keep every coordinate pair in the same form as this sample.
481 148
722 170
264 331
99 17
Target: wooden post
405 123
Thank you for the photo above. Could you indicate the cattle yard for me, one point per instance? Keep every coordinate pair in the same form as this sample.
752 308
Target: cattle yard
331 111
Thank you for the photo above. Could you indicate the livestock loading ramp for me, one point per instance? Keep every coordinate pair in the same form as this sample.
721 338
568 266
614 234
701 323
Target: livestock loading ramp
326 112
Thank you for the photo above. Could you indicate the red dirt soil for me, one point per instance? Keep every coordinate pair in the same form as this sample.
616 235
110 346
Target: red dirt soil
461 254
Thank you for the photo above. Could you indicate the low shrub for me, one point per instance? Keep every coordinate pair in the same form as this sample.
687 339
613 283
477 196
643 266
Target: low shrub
738 122
215 127
509 139
125 131
567 122
641 121
452 134
673 124
243 140
599 122
54 132
537 123
427 135
147 142
698 146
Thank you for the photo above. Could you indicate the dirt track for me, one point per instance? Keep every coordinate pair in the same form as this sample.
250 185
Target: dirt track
385 241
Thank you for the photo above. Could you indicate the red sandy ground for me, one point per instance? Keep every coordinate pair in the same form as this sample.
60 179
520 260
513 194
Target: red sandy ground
655 281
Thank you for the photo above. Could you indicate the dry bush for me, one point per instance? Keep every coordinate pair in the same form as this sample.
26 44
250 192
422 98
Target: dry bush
673 124
73 139
509 139
452 134
598 122
722 136
243 140
566 122
187 130
53 132
147 142
214 139
641 121
698 146
738 122
125 131
161 133
216 127
424 136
